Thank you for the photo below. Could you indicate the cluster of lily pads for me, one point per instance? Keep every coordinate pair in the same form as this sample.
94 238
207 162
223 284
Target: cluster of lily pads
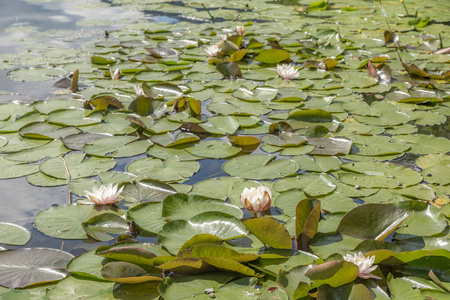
303 122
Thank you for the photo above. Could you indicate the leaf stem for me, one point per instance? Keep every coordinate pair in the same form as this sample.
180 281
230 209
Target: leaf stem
397 48
404 5
207 10
68 177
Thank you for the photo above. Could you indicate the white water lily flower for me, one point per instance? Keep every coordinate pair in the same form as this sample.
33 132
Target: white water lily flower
212 50
257 199
364 264
138 90
116 74
240 30
104 194
287 72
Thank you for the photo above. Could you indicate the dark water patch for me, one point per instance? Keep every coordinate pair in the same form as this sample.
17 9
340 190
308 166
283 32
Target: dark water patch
408 160
210 168
441 130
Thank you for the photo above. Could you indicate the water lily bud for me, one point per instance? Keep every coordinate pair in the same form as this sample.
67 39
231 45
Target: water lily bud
116 74
256 199
240 30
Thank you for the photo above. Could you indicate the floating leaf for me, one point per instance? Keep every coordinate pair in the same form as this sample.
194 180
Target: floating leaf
168 140
273 56
259 167
174 234
75 166
64 222
24 267
333 273
101 103
311 115
213 149
372 221
229 70
147 216
184 207
13 234
77 141
99 226
307 215
124 272
172 169
270 232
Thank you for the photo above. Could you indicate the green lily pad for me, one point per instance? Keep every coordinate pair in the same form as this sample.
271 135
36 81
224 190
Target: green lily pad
74 288
258 95
330 146
379 145
36 74
217 188
147 216
168 140
99 226
425 144
273 56
174 234
270 232
74 117
427 222
12 169
372 221
312 184
184 207
46 131
87 265
213 149
65 222
284 139
75 166
13 234
221 125
377 174
311 115
259 167
171 170
53 149
24 267
187 286
317 163
334 273
117 146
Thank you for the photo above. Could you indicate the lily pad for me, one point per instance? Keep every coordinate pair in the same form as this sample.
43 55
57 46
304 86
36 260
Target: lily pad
259 167
213 149
75 166
184 207
65 222
13 234
270 232
24 267
174 234
372 221
171 170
